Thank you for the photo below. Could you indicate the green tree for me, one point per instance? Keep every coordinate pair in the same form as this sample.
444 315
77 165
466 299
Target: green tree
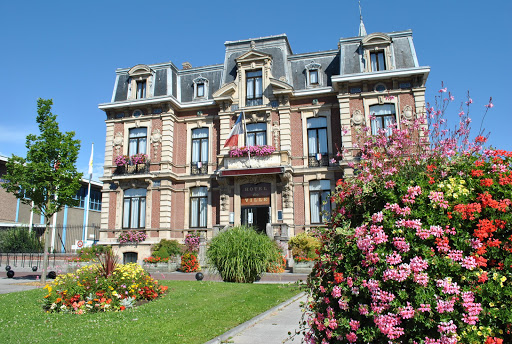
48 175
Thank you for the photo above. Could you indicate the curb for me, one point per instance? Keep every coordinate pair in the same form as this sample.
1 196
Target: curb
236 330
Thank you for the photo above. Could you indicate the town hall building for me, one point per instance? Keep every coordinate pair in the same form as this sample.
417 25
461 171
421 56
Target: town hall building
298 114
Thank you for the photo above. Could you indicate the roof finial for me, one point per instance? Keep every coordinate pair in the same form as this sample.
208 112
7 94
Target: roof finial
362 29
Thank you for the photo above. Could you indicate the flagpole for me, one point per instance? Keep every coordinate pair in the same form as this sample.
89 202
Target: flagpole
245 137
88 196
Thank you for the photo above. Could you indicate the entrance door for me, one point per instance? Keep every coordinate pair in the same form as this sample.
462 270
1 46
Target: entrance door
257 217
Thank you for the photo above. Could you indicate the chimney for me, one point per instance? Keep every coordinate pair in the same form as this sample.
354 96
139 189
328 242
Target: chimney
186 65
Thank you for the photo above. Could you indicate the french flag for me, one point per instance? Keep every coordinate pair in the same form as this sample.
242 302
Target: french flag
238 129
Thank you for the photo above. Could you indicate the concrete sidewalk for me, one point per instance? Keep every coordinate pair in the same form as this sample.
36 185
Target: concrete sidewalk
270 327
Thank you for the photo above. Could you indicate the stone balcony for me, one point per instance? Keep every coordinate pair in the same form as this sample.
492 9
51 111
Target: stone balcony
275 159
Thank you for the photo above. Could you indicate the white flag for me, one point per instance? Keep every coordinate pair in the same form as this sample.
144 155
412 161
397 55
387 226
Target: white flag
90 160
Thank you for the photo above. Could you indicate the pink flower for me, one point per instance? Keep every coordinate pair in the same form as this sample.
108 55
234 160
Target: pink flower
354 324
352 337
443 90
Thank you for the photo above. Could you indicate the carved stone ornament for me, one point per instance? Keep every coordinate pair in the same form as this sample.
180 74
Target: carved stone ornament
287 192
357 117
224 202
253 45
407 112
276 132
118 141
156 138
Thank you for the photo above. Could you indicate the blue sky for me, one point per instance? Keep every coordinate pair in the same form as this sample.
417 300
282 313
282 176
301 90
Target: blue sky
69 50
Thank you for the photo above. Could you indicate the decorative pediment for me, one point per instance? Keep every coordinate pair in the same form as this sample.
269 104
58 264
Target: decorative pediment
377 38
253 55
140 70
280 87
225 92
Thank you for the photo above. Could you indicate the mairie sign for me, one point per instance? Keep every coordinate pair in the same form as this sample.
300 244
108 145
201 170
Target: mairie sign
255 194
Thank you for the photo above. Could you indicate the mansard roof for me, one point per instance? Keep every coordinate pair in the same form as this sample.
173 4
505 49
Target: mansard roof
287 68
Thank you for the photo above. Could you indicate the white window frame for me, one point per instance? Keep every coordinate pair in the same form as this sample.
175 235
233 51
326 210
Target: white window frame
314 67
201 81
139 196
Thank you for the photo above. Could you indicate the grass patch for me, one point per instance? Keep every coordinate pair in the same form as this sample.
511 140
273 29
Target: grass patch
191 312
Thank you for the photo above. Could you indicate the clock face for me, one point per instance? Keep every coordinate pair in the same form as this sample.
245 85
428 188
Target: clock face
380 88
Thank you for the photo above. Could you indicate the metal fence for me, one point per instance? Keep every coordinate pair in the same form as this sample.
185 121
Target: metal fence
31 240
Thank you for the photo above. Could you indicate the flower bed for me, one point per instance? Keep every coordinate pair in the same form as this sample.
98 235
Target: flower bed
419 246
154 260
89 290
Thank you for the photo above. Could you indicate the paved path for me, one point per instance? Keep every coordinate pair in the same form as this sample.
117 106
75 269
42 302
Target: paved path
270 327
274 328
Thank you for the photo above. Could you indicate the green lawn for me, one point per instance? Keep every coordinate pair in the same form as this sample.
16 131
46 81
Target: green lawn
190 312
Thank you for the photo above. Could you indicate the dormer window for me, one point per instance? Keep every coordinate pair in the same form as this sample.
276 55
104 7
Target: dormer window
254 88
313 77
377 52
141 89
313 74
200 88
140 82
377 61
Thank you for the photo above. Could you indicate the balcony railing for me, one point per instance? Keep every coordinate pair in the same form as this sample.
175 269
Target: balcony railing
199 168
132 169
316 160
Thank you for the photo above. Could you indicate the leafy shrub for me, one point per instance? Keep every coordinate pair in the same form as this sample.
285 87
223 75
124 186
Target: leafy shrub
241 254
87 254
90 289
167 248
189 262
20 240
304 245
419 248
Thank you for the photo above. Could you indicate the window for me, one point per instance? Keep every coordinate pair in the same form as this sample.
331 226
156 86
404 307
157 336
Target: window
198 206
95 200
200 90
317 141
313 77
319 202
134 208
199 150
254 88
377 61
141 89
256 134
80 196
382 117
137 141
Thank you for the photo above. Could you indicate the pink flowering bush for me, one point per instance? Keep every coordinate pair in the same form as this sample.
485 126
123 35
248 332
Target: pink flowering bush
419 245
252 150
132 236
192 242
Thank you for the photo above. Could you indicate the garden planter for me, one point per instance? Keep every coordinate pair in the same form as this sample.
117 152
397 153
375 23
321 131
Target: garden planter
303 267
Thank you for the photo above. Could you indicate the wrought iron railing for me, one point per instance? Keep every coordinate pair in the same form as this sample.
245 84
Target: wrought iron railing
132 169
199 168
316 160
